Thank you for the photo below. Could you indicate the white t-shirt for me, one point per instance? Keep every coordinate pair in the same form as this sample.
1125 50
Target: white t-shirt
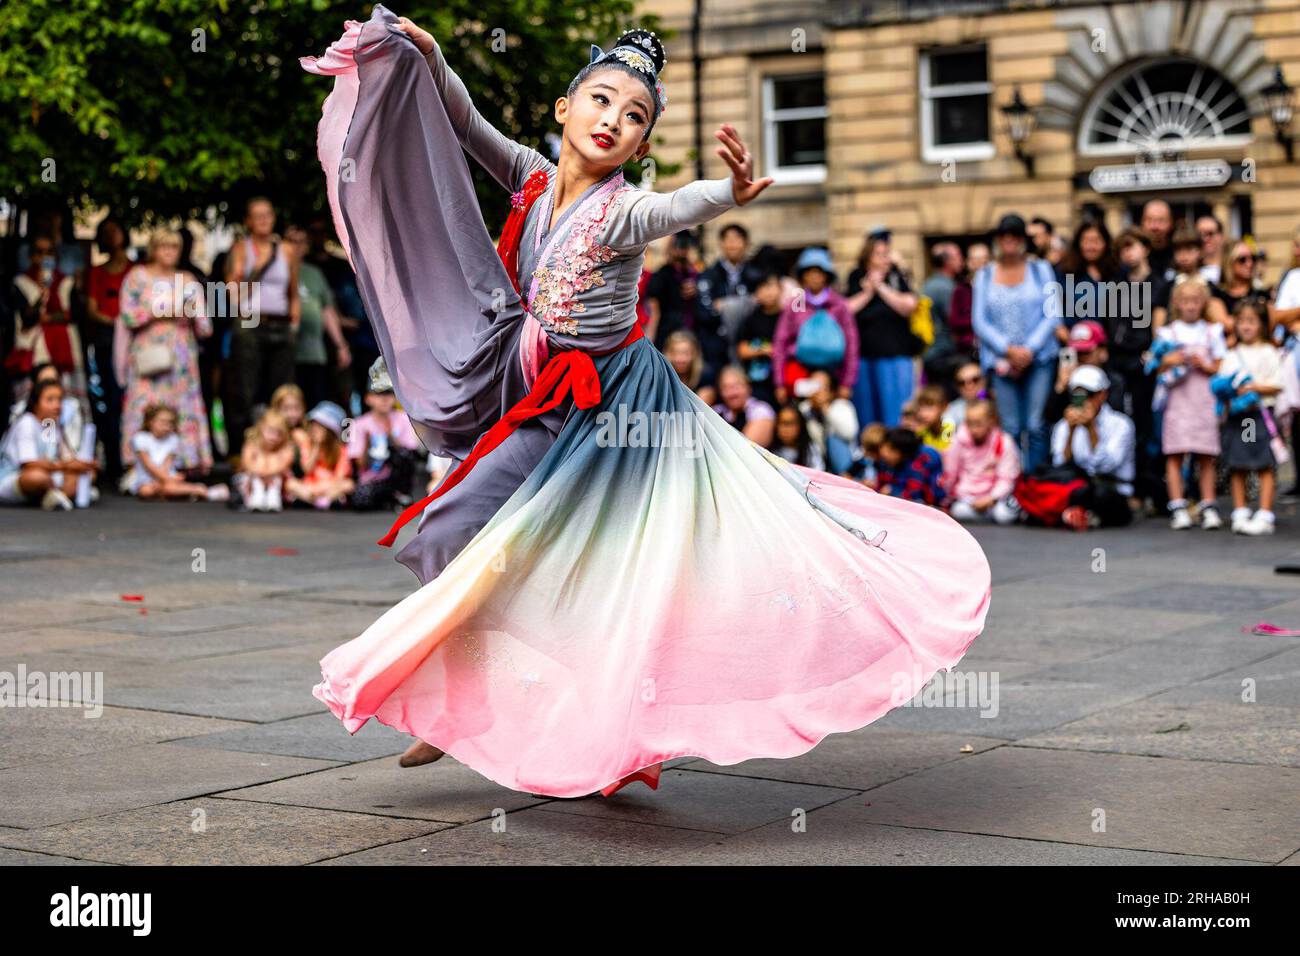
1262 362
1288 291
27 440
146 443
1116 449
1198 334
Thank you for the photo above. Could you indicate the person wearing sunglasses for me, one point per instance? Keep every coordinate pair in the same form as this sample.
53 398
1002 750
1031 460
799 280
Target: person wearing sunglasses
971 387
1211 232
1238 282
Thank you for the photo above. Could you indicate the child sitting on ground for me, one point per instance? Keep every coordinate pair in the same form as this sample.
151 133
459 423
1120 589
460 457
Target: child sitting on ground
264 463
328 469
156 447
935 431
866 461
383 448
288 400
908 469
980 468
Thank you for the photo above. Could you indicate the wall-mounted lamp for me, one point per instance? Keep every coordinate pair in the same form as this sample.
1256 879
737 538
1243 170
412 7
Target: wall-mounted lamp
1020 126
1280 97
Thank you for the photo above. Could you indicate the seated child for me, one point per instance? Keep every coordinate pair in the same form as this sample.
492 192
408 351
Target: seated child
866 461
154 473
909 469
288 400
980 468
383 448
935 431
264 463
327 468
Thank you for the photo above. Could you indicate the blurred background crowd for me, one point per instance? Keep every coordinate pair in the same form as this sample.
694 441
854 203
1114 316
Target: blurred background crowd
1053 374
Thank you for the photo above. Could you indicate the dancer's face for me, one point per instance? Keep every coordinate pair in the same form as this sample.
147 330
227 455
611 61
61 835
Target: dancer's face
606 120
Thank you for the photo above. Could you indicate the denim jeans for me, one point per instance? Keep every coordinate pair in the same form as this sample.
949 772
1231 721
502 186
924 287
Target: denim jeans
839 456
1021 402
881 388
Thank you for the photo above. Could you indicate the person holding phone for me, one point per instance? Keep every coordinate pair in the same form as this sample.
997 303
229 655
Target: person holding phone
1097 443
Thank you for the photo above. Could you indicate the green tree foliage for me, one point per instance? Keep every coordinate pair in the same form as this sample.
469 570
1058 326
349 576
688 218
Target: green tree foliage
160 108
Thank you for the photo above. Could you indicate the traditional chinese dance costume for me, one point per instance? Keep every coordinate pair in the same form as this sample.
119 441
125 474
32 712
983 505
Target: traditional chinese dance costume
613 576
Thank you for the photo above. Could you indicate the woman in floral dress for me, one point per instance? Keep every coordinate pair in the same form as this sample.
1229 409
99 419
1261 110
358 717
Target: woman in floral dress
164 307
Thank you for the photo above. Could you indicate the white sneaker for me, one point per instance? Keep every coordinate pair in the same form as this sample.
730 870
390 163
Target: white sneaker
273 501
1240 517
56 500
256 495
1257 526
1210 519
218 493
1182 520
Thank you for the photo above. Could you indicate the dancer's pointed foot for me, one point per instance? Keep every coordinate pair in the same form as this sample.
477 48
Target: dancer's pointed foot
649 776
419 753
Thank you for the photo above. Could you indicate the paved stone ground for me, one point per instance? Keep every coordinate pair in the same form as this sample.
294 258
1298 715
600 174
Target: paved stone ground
1120 701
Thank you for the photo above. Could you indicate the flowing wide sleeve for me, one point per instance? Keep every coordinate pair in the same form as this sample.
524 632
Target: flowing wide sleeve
444 311
508 162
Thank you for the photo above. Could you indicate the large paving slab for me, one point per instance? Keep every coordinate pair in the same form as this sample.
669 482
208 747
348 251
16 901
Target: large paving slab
692 800
261 685
320 736
219 832
34 734
444 791
842 834
857 761
535 838
74 788
1169 806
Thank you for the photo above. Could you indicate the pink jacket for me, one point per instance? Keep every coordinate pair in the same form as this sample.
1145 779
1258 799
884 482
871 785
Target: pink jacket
787 333
972 471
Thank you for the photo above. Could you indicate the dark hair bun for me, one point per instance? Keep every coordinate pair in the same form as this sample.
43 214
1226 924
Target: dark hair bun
647 43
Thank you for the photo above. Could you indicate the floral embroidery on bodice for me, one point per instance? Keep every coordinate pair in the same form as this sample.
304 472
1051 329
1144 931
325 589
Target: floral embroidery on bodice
556 287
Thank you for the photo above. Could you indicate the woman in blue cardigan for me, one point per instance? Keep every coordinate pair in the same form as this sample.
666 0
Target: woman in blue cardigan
1014 313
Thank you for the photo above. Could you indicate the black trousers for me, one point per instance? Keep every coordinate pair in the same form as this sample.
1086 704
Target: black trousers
1100 497
261 360
105 395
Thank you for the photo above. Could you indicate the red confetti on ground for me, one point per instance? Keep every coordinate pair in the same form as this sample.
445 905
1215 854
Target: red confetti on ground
282 552
144 610
132 597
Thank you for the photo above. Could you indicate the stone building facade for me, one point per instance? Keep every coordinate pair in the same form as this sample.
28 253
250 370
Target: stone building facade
891 112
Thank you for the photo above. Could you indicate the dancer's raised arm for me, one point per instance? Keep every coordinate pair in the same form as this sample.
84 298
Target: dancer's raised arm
508 162
647 216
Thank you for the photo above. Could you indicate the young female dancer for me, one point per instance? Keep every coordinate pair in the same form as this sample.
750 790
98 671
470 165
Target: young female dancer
612 575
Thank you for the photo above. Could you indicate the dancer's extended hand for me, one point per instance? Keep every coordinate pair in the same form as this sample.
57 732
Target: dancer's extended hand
735 155
423 38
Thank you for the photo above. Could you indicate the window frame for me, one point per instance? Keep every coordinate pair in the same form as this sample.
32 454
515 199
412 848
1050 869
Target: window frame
930 151
782 175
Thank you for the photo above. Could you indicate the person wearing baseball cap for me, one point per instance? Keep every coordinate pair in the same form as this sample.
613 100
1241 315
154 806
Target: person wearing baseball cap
1099 445
1088 336
1086 345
